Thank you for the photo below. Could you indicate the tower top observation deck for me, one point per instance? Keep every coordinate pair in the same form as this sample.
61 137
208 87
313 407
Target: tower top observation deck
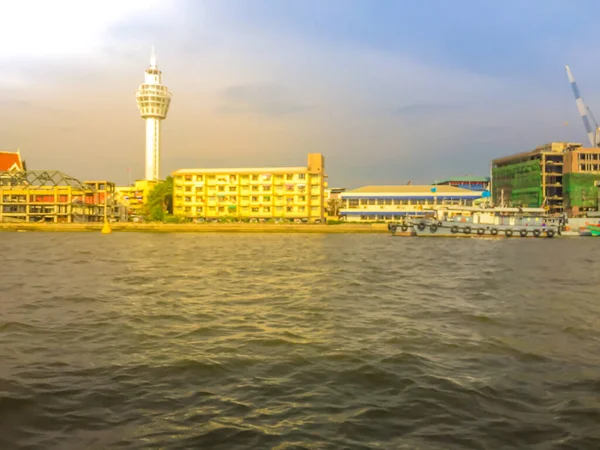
153 98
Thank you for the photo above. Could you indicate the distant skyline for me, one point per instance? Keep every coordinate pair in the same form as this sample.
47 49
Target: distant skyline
388 91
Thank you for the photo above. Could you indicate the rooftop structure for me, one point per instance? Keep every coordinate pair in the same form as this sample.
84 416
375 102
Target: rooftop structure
467 182
11 161
37 179
153 100
334 193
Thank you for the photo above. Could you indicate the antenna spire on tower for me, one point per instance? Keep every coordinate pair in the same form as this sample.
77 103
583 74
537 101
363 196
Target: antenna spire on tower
153 58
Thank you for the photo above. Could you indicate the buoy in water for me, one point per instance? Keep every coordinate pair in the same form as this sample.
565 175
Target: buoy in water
106 228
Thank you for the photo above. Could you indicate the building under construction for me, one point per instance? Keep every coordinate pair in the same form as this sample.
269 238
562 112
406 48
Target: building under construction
52 196
561 176
581 181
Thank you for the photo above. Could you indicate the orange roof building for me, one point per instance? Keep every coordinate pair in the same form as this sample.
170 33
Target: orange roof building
11 161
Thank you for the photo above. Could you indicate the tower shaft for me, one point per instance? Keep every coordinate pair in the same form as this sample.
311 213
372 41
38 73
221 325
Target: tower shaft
152 148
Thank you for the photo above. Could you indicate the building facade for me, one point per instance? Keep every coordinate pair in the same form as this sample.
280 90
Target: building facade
467 182
48 196
130 200
333 201
581 181
531 179
561 176
386 203
294 193
104 196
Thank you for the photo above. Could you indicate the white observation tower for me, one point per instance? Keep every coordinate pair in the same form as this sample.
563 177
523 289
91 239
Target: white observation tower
153 100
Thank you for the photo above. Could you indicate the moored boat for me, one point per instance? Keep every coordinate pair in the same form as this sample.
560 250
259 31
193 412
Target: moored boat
483 221
594 230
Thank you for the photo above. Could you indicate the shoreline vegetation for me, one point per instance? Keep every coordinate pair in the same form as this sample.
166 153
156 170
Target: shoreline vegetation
159 227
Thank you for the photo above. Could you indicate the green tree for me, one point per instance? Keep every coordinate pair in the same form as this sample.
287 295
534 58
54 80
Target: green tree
160 201
333 206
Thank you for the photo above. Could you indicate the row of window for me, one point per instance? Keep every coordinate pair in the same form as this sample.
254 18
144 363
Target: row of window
589 167
254 209
353 203
150 90
62 198
234 178
22 209
159 99
101 186
160 111
380 217
589 156
265 188
254 198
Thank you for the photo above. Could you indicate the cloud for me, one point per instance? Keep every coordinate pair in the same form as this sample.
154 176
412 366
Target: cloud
266 99
383 102
65 27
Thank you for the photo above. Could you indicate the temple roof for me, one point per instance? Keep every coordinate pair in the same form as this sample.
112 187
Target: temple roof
10 161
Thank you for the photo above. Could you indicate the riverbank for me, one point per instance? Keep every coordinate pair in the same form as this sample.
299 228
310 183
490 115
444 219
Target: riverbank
197 227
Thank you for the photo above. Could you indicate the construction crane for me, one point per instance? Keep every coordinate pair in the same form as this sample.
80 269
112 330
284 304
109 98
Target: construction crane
593 135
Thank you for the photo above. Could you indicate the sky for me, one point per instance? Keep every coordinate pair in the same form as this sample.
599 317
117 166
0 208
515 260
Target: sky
388 91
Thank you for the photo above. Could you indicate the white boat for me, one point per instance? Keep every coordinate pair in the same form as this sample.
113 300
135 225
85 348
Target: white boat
463 221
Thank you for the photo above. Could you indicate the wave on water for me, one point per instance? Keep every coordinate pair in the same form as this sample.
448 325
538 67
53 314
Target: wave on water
297 342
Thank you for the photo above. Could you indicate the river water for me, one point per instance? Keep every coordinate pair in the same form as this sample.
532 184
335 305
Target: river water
274 341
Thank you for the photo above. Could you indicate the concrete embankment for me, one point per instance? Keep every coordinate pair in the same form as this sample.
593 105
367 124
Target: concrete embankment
198 228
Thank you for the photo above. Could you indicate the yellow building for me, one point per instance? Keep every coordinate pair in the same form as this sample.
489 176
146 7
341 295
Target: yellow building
289 193
131 199
48 196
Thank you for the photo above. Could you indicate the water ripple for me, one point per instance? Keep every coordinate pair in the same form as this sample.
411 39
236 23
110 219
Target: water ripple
177 341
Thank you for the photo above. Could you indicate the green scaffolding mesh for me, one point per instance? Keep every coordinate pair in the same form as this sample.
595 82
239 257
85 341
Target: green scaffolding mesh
521 183
580 191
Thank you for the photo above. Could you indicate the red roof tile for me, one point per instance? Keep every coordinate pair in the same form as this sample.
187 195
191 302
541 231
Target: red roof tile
8 160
